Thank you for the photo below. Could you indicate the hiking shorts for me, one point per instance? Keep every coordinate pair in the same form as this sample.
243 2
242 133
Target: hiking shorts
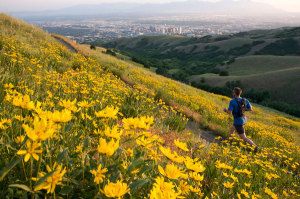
240 129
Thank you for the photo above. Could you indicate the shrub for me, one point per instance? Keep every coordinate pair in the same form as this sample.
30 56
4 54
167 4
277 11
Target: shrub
93 47
224 73
281 48
241 50
110 52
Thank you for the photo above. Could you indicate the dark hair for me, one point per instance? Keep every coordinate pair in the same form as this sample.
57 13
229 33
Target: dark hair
237 91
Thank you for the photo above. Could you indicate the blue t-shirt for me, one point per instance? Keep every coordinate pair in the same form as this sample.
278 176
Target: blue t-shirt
234 107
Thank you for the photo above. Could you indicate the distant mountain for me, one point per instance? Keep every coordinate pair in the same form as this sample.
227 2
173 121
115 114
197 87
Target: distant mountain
191 7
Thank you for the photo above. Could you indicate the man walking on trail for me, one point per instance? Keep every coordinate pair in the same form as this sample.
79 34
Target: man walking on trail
237 108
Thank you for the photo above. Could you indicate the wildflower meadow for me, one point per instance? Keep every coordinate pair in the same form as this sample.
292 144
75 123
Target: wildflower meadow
70 127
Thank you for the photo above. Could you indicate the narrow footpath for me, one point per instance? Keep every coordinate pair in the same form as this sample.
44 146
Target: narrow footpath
193 126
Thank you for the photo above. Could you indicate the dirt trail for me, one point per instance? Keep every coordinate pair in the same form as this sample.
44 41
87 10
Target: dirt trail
66 44
194 127
208 136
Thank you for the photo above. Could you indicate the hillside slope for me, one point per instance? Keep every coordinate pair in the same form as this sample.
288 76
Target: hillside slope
70 127
190 60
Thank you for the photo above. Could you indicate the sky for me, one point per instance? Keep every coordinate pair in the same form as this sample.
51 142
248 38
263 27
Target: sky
9 6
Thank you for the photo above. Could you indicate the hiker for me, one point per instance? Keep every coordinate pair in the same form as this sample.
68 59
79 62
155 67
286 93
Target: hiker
237 108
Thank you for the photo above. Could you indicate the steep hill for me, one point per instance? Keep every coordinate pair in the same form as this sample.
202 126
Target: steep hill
83 125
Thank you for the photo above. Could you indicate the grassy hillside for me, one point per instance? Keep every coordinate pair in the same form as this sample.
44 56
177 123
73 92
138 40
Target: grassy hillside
240 55
249 65
71 128
278 75
187 99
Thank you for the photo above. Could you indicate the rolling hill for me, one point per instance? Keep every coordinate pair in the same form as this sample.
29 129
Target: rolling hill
278 75
251 58
87 124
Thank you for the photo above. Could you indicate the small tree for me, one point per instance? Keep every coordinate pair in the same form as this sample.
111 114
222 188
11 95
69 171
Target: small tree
224 73
202 80
93 47
111 52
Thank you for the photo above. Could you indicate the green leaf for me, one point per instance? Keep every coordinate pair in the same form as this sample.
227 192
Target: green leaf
21 186
78 135
138 162
86 142
68 127
66 190
11 165
62 156
138 184
75 182
145 169
42 179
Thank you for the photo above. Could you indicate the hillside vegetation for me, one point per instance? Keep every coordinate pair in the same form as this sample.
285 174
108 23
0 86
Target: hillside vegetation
236 56
71 128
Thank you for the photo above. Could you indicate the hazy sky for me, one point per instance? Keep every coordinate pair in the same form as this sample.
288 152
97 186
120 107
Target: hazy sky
34 5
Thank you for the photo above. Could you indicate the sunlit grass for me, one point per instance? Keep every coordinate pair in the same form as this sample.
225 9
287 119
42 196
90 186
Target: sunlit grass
70 128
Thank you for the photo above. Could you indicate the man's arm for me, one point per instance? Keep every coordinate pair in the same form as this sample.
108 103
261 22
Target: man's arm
250 109
229 110
248 106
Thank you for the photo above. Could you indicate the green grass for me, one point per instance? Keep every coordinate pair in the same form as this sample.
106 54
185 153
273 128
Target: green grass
124 68
259 116
261 64
270 129
283 84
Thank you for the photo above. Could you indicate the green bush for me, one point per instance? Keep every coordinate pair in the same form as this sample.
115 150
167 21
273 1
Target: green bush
110 52
224 73
241 50
92 47
281 47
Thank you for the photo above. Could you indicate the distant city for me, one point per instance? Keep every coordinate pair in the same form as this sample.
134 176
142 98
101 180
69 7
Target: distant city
106 30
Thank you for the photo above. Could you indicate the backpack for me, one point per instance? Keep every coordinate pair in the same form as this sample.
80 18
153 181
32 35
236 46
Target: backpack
241 107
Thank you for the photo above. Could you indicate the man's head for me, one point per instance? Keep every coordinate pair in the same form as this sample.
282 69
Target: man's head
237 92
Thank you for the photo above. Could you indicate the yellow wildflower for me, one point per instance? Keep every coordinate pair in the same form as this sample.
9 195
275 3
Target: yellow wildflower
108 148
115 190
42 130
181 145
85 104
174 157
220 165
19 139
270 193
163 190
196 176
99 174
23 102
172 171
228 185
145 142
154 155
114 132
55 179
32 150
184 187
61 116
192 165
245 193
108 112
